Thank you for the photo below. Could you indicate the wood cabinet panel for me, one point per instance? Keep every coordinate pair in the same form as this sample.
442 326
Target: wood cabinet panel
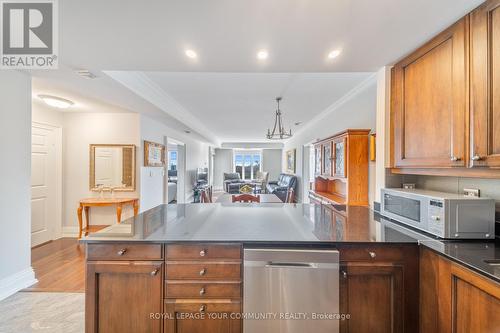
379 288
202 317
124 251
455 299
121 295
485 85
429 102
202 251
189 289
192 270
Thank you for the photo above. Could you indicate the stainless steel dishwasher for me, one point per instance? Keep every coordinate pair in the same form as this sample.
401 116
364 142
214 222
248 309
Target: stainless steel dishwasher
290 290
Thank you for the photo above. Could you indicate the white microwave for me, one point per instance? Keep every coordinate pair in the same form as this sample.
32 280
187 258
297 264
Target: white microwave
446 215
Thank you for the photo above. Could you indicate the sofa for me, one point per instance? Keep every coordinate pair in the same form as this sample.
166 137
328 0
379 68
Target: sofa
281 186
232 182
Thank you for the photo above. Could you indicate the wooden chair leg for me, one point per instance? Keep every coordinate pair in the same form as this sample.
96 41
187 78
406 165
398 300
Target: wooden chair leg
80 222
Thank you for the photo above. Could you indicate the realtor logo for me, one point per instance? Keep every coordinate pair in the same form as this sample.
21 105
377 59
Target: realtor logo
29 34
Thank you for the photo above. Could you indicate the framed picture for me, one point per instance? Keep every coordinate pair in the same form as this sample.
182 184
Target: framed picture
154 154
290 160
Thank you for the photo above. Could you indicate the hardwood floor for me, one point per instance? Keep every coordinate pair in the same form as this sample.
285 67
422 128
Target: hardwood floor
60 265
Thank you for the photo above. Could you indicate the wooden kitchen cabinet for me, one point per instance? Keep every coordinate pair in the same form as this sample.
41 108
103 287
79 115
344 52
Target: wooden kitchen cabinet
429 102
485 85
379 288
456 299
121 296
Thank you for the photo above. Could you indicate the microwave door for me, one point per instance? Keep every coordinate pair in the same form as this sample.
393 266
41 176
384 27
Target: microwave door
406 209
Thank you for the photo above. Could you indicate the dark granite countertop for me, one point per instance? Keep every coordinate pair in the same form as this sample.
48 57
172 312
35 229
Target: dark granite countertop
285 224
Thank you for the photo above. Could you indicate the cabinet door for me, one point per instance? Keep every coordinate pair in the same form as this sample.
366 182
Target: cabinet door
122 297
198 317
327 159
317 160
339 151
372 294
485 85
429 102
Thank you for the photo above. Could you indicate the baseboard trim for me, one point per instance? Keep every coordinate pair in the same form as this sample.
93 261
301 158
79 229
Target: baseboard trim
18 281
70 231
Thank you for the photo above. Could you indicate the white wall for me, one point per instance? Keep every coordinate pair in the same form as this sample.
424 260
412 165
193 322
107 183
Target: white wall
79 131
223 163
196 157
15 177
272 162
357 111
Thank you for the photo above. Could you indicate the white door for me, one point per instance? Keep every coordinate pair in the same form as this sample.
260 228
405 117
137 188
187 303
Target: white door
45 210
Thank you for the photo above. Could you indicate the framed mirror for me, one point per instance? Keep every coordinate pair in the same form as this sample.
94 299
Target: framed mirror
112 166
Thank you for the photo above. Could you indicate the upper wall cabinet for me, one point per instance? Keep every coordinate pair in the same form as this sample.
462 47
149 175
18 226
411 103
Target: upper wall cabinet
485 85
429 102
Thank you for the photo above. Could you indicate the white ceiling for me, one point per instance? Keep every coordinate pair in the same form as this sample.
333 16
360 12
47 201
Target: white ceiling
151 36
241 106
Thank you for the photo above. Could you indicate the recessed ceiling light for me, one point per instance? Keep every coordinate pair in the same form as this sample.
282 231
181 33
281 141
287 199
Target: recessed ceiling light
57 102
191 54
262 54
334 54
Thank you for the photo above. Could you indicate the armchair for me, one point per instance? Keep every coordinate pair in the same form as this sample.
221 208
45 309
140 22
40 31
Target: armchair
232 181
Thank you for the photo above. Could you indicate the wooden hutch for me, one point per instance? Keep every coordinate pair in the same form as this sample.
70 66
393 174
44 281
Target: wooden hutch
341 168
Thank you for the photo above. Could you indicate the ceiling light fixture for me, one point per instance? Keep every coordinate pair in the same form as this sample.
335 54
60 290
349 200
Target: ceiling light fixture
85 73
334 54
57 102
191 54
262 55
278 126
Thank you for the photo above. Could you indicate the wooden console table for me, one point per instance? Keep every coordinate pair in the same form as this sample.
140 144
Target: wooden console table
85 204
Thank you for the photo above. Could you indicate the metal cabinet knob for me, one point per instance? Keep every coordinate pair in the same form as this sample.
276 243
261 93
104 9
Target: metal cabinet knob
203 271
372 254
156 270
202 291
203 253
203 308
121 252
344 274
476 158
454 159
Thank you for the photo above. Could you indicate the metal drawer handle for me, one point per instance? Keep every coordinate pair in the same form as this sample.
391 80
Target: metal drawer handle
121 252
153 273
476 158
203 271
372 254
454 159
203 308
203 253
202 291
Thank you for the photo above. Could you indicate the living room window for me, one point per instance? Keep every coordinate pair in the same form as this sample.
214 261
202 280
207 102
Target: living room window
247 163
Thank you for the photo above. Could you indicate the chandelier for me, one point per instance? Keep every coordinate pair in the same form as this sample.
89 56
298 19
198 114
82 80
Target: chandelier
278 132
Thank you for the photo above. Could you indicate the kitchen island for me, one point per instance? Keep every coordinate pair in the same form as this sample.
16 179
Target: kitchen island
163 269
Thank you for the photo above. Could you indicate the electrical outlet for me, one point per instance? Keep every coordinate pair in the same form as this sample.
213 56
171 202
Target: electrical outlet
472 192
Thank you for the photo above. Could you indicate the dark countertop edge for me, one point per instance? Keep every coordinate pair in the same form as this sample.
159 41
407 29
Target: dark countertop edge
465 264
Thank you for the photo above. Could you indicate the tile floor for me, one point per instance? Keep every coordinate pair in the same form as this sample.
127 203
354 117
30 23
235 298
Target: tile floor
27 312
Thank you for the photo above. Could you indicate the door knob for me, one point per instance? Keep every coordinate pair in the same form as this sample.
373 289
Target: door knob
454 158
372 254
203 253
153 273
121 252
203 308
203 271
202 291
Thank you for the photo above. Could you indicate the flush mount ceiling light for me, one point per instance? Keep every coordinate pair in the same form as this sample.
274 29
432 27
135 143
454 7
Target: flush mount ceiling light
334 54
262 55
56 102
191 54
278 132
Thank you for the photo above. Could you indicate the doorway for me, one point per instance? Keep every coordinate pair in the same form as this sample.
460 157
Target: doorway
46 183
176 172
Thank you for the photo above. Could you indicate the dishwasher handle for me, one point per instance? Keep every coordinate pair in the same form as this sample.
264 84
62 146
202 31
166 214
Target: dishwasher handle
272 264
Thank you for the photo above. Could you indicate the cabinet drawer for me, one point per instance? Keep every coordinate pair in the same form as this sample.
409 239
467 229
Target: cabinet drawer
202 251
192 270
373 253
124 251
187 306
177 289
